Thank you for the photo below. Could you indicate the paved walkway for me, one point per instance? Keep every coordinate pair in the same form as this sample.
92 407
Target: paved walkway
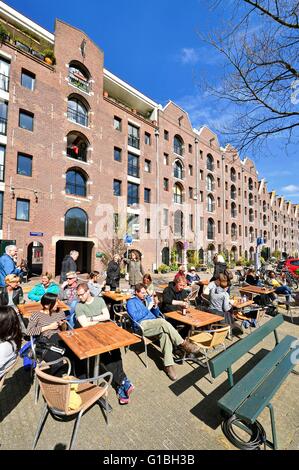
165 415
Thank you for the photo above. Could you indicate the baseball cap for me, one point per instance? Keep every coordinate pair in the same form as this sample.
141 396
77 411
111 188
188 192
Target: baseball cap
71 275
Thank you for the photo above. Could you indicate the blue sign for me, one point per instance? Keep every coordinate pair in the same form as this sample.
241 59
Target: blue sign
128 239
260 241
36 234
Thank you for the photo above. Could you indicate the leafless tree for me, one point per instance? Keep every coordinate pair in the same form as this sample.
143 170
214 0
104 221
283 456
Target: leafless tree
261 74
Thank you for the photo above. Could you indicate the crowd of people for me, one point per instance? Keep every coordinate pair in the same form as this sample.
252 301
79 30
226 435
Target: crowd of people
86 307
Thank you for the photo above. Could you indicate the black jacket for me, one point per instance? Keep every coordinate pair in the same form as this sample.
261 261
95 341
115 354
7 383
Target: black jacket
113 274
68 264
170 294
17 296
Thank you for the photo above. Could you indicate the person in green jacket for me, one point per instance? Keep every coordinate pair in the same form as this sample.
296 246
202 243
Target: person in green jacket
45 286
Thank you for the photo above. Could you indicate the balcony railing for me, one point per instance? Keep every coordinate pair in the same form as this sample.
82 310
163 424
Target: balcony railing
77 117
210 166
133 200
78 155
79 83
133 170
3 126
178 198
178 173
4 82
211 234
134 141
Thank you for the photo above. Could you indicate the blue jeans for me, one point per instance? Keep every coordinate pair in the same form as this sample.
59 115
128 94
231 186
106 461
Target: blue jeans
285 290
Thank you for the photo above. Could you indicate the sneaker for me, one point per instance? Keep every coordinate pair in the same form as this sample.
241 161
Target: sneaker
123 399
128 387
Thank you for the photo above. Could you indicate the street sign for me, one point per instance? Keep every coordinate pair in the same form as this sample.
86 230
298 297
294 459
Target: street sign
128 239
36 234
260 241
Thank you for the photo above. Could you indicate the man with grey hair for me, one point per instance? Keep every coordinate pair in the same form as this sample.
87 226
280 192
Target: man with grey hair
8 263
69 264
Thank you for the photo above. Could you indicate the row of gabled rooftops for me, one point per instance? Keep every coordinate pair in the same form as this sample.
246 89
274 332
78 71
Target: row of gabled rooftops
117 86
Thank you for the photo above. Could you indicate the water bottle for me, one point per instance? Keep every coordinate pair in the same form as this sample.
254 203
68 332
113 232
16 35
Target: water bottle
184 311
244 298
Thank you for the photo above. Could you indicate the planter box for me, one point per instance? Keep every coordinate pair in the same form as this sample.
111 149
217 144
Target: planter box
22 46
37 54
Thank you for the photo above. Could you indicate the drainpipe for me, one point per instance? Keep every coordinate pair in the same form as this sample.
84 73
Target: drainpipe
158 215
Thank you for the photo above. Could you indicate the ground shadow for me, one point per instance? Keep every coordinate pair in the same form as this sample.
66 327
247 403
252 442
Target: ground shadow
153 353
15 389
206 410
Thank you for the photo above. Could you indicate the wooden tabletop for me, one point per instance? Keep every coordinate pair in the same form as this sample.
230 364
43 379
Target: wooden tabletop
240 305
116 296
162 286
194 317
97 339
29 308
256 290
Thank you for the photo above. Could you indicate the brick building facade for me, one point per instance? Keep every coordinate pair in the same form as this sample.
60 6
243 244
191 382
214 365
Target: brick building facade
86 158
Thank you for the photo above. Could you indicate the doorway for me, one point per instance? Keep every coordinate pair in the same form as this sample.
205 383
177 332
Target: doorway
63 247
35 254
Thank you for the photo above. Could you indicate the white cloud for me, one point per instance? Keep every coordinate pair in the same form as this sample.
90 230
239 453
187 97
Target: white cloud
189 55
291 189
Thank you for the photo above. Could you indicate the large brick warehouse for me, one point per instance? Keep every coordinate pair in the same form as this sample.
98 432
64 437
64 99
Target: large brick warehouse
86 158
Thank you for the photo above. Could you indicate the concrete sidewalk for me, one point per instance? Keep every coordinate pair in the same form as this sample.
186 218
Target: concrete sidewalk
165 415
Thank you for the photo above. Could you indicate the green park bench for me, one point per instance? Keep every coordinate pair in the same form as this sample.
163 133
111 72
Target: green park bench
247 398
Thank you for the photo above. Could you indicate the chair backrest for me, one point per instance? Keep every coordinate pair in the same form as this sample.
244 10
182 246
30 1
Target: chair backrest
219 336
55 390
224 361
193 294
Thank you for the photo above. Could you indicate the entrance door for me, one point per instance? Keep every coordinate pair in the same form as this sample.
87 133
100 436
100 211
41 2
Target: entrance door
35 252
63 247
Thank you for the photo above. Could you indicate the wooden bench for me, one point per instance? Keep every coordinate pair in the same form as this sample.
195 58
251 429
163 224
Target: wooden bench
249 396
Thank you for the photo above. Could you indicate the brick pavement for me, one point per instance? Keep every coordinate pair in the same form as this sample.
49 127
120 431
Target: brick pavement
165 415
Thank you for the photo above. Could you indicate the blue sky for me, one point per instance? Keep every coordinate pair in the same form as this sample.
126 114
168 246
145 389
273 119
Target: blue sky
156 46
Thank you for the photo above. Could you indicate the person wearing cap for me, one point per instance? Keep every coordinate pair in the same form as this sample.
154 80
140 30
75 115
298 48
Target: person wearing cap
68 291
192 277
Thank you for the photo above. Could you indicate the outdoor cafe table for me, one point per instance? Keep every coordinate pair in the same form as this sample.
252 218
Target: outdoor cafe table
194 317
29 308
117 296
95 340
256 290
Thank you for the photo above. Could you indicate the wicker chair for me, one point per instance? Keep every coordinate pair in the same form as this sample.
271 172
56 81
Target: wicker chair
56 393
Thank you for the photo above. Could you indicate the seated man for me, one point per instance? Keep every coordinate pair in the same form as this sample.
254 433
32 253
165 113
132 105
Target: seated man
192 277
152 325
90 311
68 294
280 288
221 304
45 286
174 295
252 279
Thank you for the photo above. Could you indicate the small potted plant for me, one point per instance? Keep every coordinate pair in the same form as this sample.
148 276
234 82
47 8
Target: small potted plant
4 36
49 56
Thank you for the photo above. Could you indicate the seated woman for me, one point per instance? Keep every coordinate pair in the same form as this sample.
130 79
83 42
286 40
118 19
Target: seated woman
252 279
93 285
90 311
44 287
10 337
12 295
280 287
47 323
221 304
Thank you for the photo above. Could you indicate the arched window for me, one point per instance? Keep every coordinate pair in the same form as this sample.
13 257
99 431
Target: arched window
211 229
234 232
75 183
79 76
264 220
251 235
77 111
233 174
165 255
178 145
233 192
76 223
251 215
178 170
210 203
178 194
233 209
264 206
210 162
250 184
210 183
250 199
178 223
77 146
